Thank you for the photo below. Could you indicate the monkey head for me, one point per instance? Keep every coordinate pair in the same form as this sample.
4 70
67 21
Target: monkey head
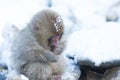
47 27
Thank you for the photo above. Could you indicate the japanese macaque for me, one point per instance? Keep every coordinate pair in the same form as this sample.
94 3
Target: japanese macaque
36 51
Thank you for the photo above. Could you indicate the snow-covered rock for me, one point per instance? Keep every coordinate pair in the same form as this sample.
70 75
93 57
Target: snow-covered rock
112 74
99 44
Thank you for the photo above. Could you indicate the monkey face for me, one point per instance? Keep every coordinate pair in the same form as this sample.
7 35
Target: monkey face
47 27
54 41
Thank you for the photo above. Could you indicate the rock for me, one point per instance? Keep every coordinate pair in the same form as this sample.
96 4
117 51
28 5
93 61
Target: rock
112 74
105 71
90 75
112 17
100 68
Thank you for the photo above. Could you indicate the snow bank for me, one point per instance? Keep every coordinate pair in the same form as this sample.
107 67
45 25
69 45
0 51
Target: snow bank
99 44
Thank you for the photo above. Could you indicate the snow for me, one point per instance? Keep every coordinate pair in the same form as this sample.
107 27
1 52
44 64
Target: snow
88 33
99 44
16 76
57 23
117 77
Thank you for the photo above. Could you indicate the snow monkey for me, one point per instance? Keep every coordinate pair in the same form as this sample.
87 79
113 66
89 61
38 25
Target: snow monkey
36 51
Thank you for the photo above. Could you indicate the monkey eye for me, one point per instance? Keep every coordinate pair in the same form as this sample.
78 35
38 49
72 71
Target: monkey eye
49 39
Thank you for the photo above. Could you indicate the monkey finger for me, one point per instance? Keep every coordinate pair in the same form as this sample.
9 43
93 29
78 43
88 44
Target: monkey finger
56 77
58 51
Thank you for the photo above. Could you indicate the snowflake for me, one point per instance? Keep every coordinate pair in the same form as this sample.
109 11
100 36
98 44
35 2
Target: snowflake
57 23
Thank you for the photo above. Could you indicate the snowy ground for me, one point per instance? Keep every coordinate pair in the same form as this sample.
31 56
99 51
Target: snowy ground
93 25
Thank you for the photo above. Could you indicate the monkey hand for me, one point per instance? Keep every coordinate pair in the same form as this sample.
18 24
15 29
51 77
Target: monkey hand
58 50
50 56
56 77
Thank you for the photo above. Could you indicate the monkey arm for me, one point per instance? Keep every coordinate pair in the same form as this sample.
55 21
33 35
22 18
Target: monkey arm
50 56
53 56
58 67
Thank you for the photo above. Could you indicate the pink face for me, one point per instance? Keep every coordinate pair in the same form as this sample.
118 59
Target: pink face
53 41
